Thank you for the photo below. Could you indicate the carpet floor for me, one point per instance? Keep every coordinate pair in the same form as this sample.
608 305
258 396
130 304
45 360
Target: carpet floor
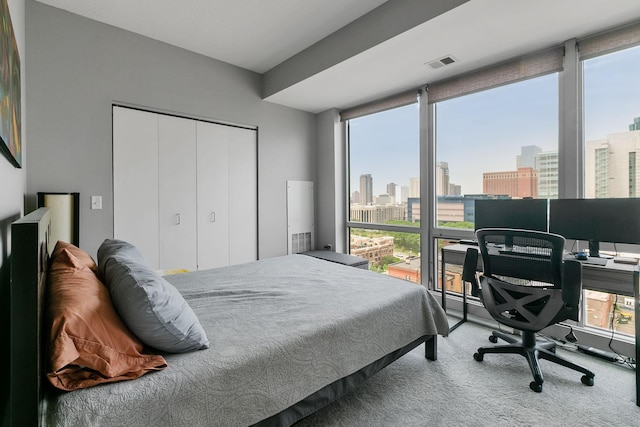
456 390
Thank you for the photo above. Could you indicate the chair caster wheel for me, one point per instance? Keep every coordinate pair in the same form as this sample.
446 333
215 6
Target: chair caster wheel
587 380
493 339
537 387
478 357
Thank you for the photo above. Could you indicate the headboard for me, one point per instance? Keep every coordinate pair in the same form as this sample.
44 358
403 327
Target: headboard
30 251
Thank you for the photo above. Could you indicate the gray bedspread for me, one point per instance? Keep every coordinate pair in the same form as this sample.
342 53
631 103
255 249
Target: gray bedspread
280 329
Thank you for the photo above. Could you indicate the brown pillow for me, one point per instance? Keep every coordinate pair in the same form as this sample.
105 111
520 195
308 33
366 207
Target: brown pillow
83 257
88 342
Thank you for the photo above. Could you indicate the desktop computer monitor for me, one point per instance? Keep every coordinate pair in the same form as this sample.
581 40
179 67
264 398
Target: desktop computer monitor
526 214
596 220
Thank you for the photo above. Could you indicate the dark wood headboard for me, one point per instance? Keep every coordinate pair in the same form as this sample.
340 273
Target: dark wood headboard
30 251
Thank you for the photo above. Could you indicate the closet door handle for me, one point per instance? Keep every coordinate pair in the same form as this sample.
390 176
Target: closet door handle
177 219
212 217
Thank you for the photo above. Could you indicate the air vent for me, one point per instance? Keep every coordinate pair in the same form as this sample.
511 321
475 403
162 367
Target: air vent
446 60
300 242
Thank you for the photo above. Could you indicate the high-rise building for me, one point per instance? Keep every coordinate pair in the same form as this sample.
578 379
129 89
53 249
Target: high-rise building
547 165
518 184
442 179
366 189
611 165
404 194
527 156
391 189
414 187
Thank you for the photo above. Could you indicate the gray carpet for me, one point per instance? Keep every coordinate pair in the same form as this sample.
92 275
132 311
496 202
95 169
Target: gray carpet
456 390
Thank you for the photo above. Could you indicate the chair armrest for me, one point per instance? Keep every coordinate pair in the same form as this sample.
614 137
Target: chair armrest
571 282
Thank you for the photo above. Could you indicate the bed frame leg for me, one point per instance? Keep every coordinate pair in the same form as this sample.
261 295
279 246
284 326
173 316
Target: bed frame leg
431 348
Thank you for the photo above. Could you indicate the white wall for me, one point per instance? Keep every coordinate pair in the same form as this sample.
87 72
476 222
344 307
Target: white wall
79 67
12 190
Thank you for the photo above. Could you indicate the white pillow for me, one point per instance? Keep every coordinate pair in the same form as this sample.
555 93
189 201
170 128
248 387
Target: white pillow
151 307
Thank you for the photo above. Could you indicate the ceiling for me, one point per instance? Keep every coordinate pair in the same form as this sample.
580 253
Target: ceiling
315 55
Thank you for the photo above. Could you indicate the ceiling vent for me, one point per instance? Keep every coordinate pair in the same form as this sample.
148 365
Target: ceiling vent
446 60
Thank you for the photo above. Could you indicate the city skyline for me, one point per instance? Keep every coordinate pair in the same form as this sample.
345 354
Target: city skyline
491 126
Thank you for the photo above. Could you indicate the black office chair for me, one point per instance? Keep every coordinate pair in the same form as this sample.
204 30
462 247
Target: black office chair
526 285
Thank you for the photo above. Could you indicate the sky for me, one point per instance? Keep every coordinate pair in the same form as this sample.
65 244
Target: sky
484 132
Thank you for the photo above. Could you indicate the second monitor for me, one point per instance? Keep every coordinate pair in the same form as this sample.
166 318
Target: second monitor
526 214
615 220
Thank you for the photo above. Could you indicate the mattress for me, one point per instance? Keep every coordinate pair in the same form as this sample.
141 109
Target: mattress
280 329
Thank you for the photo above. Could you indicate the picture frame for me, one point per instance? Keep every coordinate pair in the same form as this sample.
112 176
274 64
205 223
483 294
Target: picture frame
10 90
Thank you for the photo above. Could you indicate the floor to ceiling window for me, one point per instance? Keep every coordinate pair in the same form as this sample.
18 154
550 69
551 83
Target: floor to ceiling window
498 143
384 190
611 102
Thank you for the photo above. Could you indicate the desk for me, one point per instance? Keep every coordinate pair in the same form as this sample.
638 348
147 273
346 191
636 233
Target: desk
619 278
455 254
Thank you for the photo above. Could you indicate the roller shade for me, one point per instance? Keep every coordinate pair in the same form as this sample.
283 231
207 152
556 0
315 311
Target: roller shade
395 101
610 41
526 67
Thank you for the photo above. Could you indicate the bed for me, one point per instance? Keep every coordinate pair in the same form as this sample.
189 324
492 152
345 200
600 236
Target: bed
288 335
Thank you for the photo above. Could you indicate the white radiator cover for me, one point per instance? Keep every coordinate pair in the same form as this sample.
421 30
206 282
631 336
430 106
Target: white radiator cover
300 217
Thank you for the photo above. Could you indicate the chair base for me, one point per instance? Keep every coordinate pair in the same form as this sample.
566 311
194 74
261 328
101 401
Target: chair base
532 351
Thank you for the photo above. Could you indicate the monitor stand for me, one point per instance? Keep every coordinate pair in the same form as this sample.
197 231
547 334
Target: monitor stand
594 248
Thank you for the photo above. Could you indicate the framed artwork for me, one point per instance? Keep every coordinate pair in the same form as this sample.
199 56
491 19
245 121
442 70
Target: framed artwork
10 110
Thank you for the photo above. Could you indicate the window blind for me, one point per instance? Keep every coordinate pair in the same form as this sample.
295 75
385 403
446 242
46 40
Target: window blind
395 101
522 68
610 41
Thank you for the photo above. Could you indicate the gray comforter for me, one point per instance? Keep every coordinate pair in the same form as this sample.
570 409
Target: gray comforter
280 329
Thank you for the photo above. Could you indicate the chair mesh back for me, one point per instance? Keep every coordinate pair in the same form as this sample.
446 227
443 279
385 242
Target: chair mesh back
532 256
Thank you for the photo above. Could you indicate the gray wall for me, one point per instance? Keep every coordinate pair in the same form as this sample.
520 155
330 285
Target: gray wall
78 67
12 189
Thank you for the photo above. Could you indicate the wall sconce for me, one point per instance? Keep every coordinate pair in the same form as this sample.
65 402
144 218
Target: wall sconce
65 215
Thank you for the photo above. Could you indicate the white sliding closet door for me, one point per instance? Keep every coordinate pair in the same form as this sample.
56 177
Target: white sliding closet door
135 180
227 195
243 195
213 195
177 192
185 190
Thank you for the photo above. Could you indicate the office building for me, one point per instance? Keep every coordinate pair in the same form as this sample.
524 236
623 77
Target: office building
384 199
519 184
442 179
414 187
547 166
378 214
366 189
527 156
404 194
611 165
413 209
391 190
455 190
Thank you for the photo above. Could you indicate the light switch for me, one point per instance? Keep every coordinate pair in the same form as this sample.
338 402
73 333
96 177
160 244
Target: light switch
96 202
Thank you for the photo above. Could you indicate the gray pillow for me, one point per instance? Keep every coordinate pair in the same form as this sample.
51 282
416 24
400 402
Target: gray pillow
151 307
